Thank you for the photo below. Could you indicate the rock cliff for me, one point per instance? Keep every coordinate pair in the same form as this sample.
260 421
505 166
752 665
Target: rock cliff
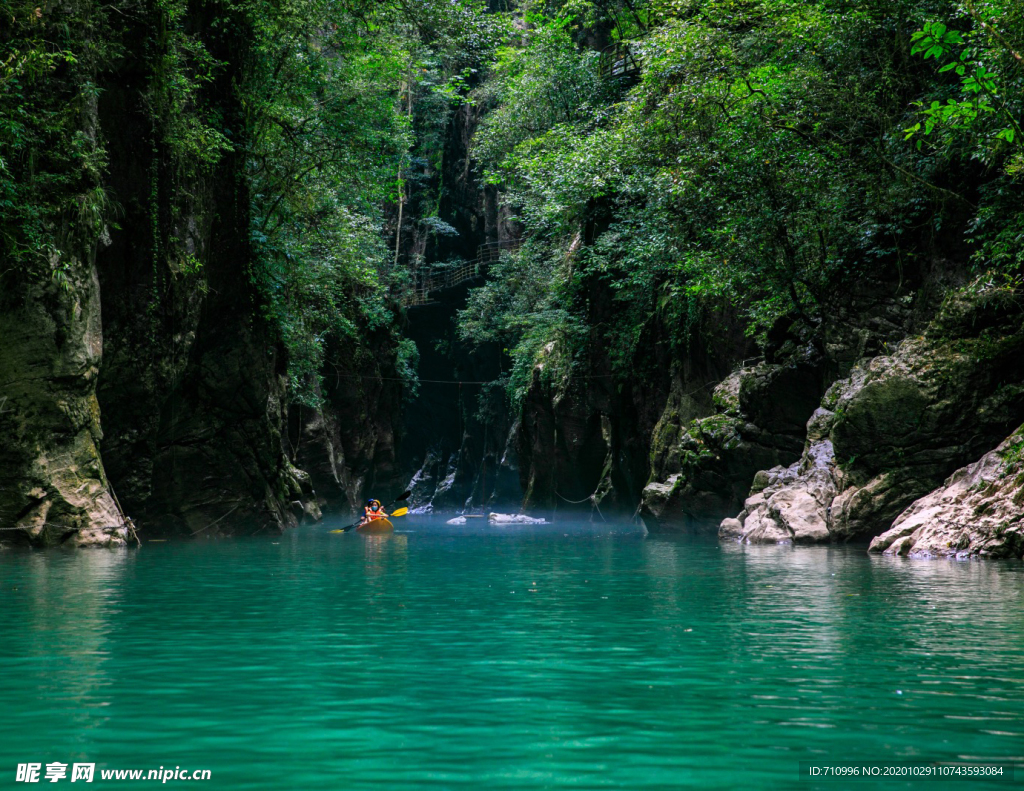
894 429
52 480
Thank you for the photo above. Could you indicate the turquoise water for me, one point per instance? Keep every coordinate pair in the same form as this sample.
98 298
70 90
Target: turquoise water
563 656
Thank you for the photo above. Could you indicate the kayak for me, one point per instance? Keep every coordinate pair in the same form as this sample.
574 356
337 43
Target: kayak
376 526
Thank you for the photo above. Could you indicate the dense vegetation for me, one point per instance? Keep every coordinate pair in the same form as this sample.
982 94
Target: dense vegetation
767 155
683 154
315 99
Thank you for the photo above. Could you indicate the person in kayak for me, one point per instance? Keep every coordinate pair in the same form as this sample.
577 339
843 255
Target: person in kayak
373 510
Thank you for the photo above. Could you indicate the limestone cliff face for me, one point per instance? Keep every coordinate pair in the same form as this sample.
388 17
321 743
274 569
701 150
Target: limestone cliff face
758 422
898 426
147 368
53 486
192 387
682 440
706 458
349 445
52 480
584 437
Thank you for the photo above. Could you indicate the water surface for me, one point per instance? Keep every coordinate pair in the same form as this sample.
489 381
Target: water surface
562 656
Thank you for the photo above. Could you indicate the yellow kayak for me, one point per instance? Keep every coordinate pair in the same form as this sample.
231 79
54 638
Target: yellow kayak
376 526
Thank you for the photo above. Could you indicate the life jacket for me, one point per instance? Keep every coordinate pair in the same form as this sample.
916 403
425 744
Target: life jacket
370 514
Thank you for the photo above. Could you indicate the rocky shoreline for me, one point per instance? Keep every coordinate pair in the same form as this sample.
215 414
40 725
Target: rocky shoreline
896 452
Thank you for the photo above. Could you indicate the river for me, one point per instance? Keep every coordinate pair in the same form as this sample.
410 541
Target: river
555 656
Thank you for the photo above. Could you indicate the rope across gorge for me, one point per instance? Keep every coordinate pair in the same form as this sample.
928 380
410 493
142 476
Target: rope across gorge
128 525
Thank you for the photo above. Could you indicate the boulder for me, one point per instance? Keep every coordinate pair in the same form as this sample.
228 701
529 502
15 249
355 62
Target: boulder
978 511
759 422
514 519
788 504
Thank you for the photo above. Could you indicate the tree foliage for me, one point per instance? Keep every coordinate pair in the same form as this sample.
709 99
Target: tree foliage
333 141
673 156
51 164
759 159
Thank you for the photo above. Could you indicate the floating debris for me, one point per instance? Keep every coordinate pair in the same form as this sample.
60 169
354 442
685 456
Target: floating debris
514 519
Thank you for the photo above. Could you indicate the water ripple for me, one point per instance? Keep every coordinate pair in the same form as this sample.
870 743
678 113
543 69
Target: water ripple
542 657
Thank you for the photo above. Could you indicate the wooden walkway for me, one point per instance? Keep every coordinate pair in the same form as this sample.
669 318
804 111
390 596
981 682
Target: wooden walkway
619 62
426 284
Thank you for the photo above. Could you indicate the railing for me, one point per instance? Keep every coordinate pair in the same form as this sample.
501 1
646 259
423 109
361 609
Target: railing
744 363
449 278
618 62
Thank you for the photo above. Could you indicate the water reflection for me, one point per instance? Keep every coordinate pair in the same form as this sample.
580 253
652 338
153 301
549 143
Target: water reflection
59 645
563 655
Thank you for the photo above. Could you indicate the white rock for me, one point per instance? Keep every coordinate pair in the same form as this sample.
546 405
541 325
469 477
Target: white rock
514 519
792 507
976 512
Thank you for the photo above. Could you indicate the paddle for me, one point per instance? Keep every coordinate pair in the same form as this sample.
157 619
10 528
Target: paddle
400 512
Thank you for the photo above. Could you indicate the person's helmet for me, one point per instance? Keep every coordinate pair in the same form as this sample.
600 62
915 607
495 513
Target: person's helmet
370 502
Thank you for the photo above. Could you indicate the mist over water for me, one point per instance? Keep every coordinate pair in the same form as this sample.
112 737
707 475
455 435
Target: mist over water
547 656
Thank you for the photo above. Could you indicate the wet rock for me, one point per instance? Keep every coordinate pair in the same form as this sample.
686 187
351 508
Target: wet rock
731 528
423 484
445 494
514 519
98 538
507 485
897 426
761 413
978 511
